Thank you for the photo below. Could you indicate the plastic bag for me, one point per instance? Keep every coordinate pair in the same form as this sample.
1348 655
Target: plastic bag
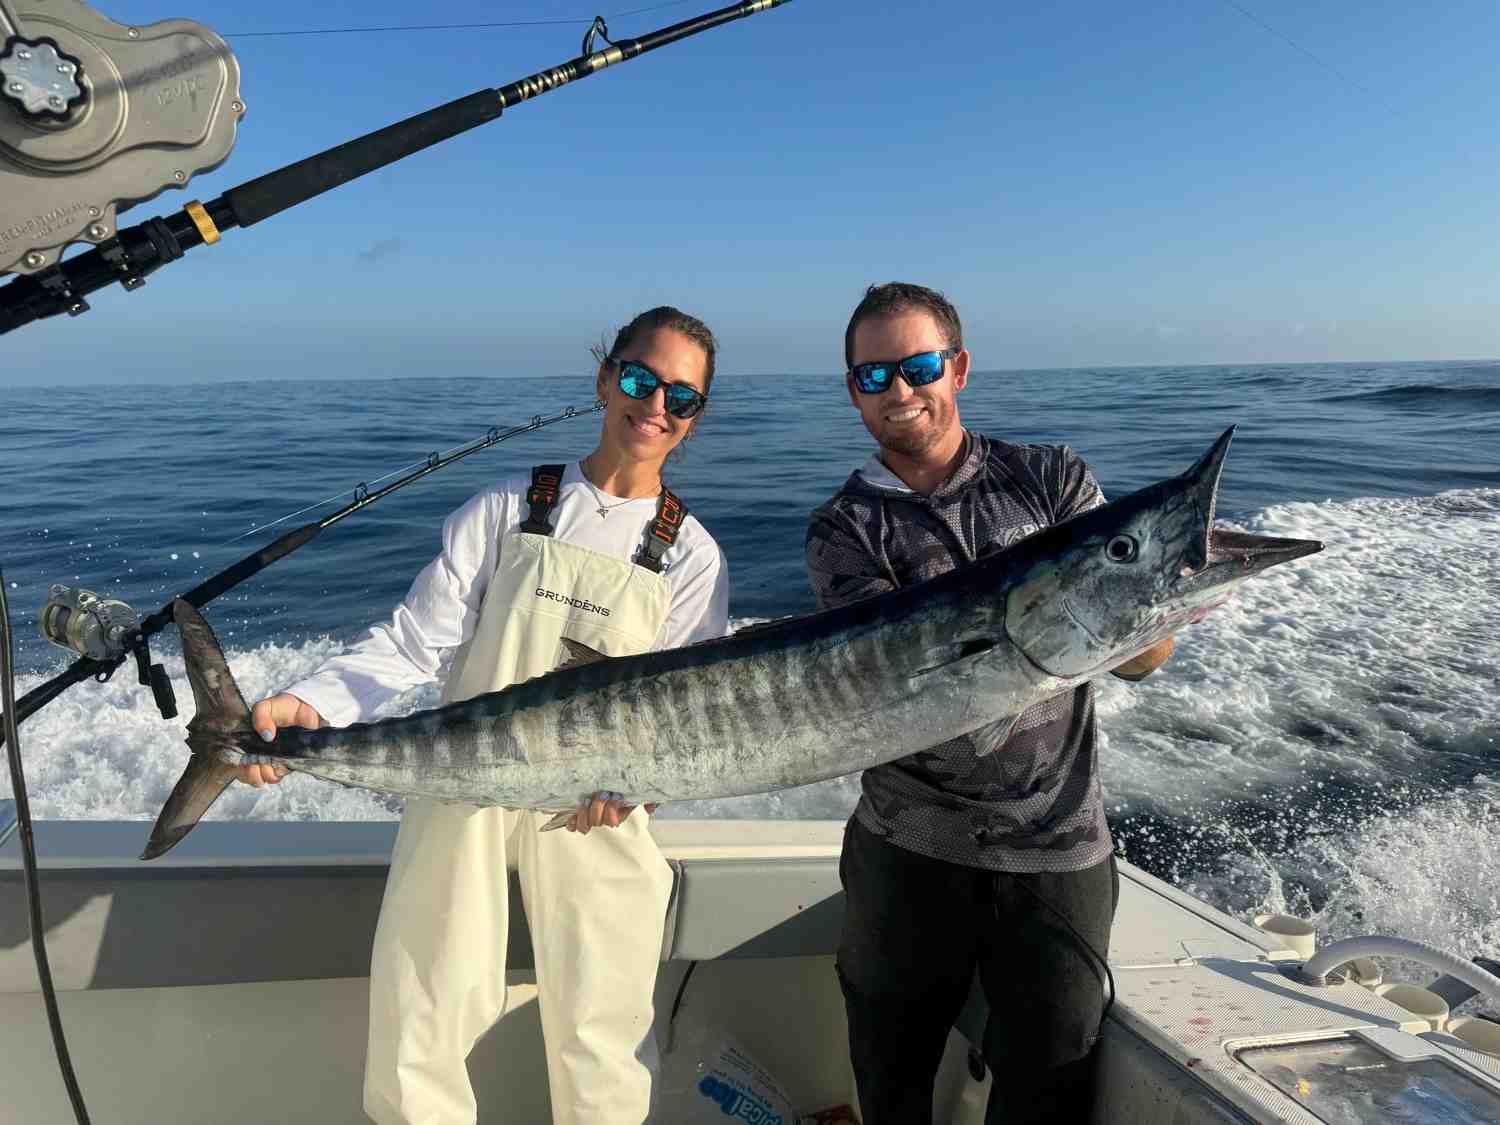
726 1082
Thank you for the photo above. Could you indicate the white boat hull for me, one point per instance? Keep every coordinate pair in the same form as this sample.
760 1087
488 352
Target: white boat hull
227 982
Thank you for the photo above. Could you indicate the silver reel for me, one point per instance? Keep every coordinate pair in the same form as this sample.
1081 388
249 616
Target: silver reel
96 117
92 626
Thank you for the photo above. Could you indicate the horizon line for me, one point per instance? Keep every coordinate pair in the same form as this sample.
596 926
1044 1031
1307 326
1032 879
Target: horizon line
1097 367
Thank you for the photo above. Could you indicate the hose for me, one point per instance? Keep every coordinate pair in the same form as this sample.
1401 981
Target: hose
1316 970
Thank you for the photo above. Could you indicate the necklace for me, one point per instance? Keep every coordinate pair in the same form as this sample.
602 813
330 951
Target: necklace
603 509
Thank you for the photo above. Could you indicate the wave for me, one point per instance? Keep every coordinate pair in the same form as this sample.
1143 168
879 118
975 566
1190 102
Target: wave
1375 658
1435 395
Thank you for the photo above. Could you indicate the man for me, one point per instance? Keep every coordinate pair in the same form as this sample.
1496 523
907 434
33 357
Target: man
991 850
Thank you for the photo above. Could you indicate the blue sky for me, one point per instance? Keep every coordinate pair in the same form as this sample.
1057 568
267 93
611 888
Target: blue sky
1093 183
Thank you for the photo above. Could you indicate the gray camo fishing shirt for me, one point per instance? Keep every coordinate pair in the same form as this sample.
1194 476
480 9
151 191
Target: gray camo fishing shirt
1032 804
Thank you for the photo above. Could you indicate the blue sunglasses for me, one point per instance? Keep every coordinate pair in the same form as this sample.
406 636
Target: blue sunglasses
639 381
918 370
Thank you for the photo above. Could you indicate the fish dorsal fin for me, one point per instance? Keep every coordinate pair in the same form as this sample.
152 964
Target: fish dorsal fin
578 654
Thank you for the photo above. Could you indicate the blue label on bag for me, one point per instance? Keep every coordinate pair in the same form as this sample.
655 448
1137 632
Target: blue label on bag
737 1103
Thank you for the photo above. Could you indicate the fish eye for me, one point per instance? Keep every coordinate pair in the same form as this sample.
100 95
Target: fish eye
1121 549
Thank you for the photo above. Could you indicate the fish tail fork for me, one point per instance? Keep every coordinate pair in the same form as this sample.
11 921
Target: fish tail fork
216 735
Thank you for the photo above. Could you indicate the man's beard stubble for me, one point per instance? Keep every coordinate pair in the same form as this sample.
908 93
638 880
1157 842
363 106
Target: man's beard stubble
914 443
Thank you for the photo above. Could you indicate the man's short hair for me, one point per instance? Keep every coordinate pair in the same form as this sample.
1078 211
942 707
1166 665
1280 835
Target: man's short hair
895 297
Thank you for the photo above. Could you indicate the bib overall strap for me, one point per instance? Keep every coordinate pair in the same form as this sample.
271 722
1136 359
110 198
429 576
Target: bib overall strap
662 531
542 496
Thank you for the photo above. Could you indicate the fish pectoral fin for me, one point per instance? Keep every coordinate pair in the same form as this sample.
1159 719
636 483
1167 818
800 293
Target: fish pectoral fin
938 657
578 653
763 626
1009 730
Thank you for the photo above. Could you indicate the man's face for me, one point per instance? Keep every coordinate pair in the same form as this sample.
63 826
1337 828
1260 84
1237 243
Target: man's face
911 421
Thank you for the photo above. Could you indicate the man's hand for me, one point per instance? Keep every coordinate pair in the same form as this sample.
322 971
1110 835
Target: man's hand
269 716
602 809
1139 667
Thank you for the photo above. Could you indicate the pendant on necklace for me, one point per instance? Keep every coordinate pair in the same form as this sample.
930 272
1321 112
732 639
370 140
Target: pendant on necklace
602 512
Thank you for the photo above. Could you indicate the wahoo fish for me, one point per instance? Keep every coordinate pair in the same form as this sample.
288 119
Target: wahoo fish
774 706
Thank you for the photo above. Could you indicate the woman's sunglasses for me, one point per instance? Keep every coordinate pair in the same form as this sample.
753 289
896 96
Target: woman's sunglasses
639 381
918 370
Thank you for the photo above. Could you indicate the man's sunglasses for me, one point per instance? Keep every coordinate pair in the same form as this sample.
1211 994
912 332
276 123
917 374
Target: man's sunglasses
918 370
639 381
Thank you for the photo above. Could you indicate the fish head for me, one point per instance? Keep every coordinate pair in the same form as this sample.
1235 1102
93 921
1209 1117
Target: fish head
1111 583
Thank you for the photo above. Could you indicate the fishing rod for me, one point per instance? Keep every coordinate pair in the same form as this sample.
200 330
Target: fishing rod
106 632
62 115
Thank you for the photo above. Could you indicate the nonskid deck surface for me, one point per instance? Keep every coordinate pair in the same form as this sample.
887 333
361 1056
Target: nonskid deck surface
1210 992
755 903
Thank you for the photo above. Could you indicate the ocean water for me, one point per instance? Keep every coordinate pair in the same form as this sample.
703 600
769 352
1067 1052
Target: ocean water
1328 744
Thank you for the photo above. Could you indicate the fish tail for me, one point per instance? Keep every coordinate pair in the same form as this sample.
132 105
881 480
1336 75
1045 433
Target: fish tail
217 735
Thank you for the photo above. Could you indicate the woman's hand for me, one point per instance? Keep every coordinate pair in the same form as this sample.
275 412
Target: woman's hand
269 716
603 809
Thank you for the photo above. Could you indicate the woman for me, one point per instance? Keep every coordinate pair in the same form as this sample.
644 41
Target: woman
599 552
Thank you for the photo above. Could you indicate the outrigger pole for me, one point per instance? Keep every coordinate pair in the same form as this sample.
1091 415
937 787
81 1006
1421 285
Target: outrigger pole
140 250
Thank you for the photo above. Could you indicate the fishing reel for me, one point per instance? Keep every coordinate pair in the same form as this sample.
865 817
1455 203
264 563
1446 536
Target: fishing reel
106 631
96 117
85 623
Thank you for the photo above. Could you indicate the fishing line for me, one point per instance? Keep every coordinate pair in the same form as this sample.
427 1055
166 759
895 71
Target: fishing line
1287 39
338 495
448 26
130 255
1105 977
28 860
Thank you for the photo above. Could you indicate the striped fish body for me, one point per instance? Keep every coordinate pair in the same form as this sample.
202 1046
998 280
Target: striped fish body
769 709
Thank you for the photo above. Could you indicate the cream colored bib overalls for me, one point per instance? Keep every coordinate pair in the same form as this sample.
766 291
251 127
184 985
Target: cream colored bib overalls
596 904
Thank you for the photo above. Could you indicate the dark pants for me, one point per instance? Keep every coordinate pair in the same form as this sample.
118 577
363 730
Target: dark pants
915 930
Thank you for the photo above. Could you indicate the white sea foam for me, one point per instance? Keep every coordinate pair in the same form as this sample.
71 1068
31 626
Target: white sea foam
1376 659
103 751
1326 743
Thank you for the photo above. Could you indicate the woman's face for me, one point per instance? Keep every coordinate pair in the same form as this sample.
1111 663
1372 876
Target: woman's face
640 428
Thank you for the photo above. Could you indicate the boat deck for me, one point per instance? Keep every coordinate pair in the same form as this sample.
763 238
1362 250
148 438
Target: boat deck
226 981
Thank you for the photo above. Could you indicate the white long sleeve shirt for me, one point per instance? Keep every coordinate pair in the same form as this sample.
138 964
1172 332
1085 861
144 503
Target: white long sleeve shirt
440 611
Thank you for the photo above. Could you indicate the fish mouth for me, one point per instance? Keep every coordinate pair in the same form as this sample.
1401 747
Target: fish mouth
1232 554
1240 553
